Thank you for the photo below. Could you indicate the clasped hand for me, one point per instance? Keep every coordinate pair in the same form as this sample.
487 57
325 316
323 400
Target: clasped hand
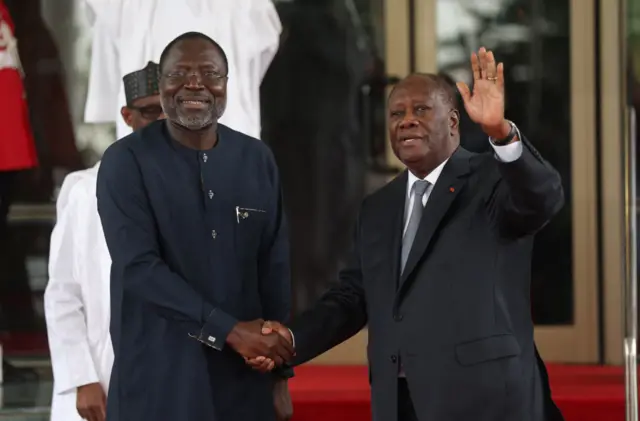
260 345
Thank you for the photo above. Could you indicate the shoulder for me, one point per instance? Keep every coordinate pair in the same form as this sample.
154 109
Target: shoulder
78 189
243 140
387 192
120 149
124 154
252 148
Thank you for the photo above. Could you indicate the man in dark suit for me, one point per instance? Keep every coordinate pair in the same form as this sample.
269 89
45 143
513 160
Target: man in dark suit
440 266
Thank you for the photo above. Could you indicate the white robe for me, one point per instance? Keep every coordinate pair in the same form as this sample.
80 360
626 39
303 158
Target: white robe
129 33
77 305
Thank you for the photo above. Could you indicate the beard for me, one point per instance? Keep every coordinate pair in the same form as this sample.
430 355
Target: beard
192 119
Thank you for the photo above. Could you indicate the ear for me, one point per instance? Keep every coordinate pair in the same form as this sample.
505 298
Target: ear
127 116
454 121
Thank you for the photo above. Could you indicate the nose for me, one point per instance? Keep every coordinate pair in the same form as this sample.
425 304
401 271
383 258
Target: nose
194 81
409 122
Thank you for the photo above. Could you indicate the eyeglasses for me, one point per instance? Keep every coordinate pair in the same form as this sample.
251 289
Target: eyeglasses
149 112
206 77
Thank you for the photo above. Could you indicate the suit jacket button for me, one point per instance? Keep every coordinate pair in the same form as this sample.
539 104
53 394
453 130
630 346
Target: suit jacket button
397 317
394 359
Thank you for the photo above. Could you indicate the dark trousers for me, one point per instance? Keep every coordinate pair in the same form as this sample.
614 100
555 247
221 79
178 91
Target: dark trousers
406 412
16 306
6 181
6 184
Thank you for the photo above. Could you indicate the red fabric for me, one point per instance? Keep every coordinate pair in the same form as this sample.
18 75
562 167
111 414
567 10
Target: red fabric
583 393
17 147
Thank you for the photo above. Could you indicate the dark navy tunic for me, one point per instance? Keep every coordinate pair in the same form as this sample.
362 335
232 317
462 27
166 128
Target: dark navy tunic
198 241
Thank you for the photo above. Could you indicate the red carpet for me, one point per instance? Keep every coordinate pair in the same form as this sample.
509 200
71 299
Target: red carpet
583 393
341 393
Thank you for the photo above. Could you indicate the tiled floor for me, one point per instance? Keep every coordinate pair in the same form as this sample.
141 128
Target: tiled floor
25 401
28 401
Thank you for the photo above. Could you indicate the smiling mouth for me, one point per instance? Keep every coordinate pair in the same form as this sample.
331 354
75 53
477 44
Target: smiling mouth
194 103
410 140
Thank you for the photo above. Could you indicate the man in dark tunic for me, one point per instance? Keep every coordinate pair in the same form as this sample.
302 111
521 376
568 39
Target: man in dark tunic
193 219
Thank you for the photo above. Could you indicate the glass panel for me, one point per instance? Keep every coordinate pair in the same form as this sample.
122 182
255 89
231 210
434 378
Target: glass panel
632 96
532 38
323 116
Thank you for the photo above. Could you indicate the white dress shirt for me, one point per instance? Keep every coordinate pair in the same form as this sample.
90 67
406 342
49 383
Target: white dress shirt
77 304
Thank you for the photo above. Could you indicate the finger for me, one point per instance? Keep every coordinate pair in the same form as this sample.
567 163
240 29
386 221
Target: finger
97 414
482 55
491 65
256 365
85 413
287 345
475 66
262 366
286 354
280 353
465 92
93 414
500 76
272 325
282 330
82 413
102 414
268 327
278 359
267 366
255 361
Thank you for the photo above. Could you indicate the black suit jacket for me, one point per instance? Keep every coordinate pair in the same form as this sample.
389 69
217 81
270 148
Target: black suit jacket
459 317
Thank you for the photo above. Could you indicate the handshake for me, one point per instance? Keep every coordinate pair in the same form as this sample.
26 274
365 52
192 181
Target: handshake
263 345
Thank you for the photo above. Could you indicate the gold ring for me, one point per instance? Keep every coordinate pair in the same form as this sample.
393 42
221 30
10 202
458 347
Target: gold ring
493 79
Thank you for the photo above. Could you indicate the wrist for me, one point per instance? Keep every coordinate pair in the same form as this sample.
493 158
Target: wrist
498 132
87 386
233 336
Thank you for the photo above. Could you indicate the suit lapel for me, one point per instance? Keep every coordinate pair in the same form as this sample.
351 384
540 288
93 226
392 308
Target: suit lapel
395 213
444 192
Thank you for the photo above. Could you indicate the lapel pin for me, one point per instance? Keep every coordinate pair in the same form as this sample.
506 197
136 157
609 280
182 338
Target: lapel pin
451 189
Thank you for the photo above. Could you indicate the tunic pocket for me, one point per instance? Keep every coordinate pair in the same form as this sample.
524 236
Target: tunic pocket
250 223
243 214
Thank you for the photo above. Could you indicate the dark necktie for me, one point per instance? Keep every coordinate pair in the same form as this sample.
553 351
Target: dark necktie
419 189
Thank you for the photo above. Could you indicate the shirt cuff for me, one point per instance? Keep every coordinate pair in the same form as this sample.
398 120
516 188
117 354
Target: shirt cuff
73 367
216 328
285 372
507 153
293 338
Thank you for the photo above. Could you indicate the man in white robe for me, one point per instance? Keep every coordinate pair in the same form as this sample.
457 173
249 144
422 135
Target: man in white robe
77 304
128 33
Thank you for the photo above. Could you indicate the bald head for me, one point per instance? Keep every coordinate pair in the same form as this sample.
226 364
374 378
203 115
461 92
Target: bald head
440 84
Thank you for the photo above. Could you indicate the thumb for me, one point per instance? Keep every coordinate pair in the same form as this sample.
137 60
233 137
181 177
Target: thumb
267 328
464 91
